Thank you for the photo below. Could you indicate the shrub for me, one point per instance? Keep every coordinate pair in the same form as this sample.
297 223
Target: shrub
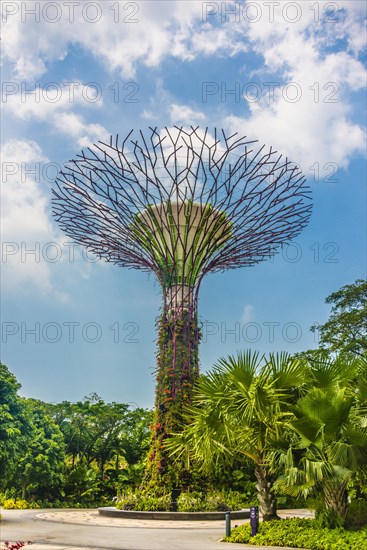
192 502
357 514
286 501
213 501
300 533
144 503
9 501
13 504
236 500
328 519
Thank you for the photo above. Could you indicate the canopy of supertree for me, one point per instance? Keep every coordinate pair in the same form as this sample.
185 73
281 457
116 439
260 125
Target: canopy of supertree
181 203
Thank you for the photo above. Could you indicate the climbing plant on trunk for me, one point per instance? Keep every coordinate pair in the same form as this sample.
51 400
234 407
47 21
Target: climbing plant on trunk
176 373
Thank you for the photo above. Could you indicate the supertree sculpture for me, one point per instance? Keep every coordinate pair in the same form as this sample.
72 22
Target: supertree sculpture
180 203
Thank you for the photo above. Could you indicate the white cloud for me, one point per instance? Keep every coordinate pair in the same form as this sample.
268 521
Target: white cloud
44 101
119 37
55 107
34 252
122 35
248 314
314 79
310 113
74 125
148 115
306 52
210 40
185 115
25 222
27 66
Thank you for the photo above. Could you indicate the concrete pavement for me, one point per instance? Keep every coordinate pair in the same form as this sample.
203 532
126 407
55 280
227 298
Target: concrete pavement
87 530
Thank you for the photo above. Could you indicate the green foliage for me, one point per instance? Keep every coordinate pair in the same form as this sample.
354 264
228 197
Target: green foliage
300 533
346 329
8 501
40 470
177 372
252 419
240 483
18 504
331 446
165 234
103 443
214 501
357 514
357 485
77 453
328 518
192 502
241 408
195 501
286 501
136 437
15 429
91 429
81 482
142 502
31 445
232 500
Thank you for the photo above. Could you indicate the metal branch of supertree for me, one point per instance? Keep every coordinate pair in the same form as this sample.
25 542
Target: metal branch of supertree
181 203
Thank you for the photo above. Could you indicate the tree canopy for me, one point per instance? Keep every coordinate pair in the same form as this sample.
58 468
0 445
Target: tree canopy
346 328
241 407
79 451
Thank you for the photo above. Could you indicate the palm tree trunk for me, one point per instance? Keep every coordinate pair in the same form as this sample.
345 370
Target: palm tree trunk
336 498
265 493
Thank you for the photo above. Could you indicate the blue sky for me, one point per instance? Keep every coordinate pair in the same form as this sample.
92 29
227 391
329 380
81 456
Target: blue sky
290 74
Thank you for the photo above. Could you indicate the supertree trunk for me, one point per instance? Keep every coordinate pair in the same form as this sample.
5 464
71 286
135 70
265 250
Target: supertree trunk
176 374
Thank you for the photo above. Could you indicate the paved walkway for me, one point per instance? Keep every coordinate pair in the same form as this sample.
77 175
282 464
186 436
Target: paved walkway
87 530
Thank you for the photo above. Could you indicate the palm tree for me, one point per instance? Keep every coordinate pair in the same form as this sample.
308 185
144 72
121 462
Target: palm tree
331 424
242 407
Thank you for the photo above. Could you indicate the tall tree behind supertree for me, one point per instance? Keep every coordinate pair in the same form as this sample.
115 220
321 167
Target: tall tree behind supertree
181 203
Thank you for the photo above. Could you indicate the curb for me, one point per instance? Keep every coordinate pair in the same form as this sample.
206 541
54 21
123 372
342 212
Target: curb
112 512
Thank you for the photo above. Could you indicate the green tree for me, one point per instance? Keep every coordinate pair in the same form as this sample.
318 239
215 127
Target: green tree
92 429
346 329
31 444
103 443
14 426
330 422
85 447
136 438
242 407
40 469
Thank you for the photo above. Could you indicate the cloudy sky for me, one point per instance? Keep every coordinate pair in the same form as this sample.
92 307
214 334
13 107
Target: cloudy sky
289 74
